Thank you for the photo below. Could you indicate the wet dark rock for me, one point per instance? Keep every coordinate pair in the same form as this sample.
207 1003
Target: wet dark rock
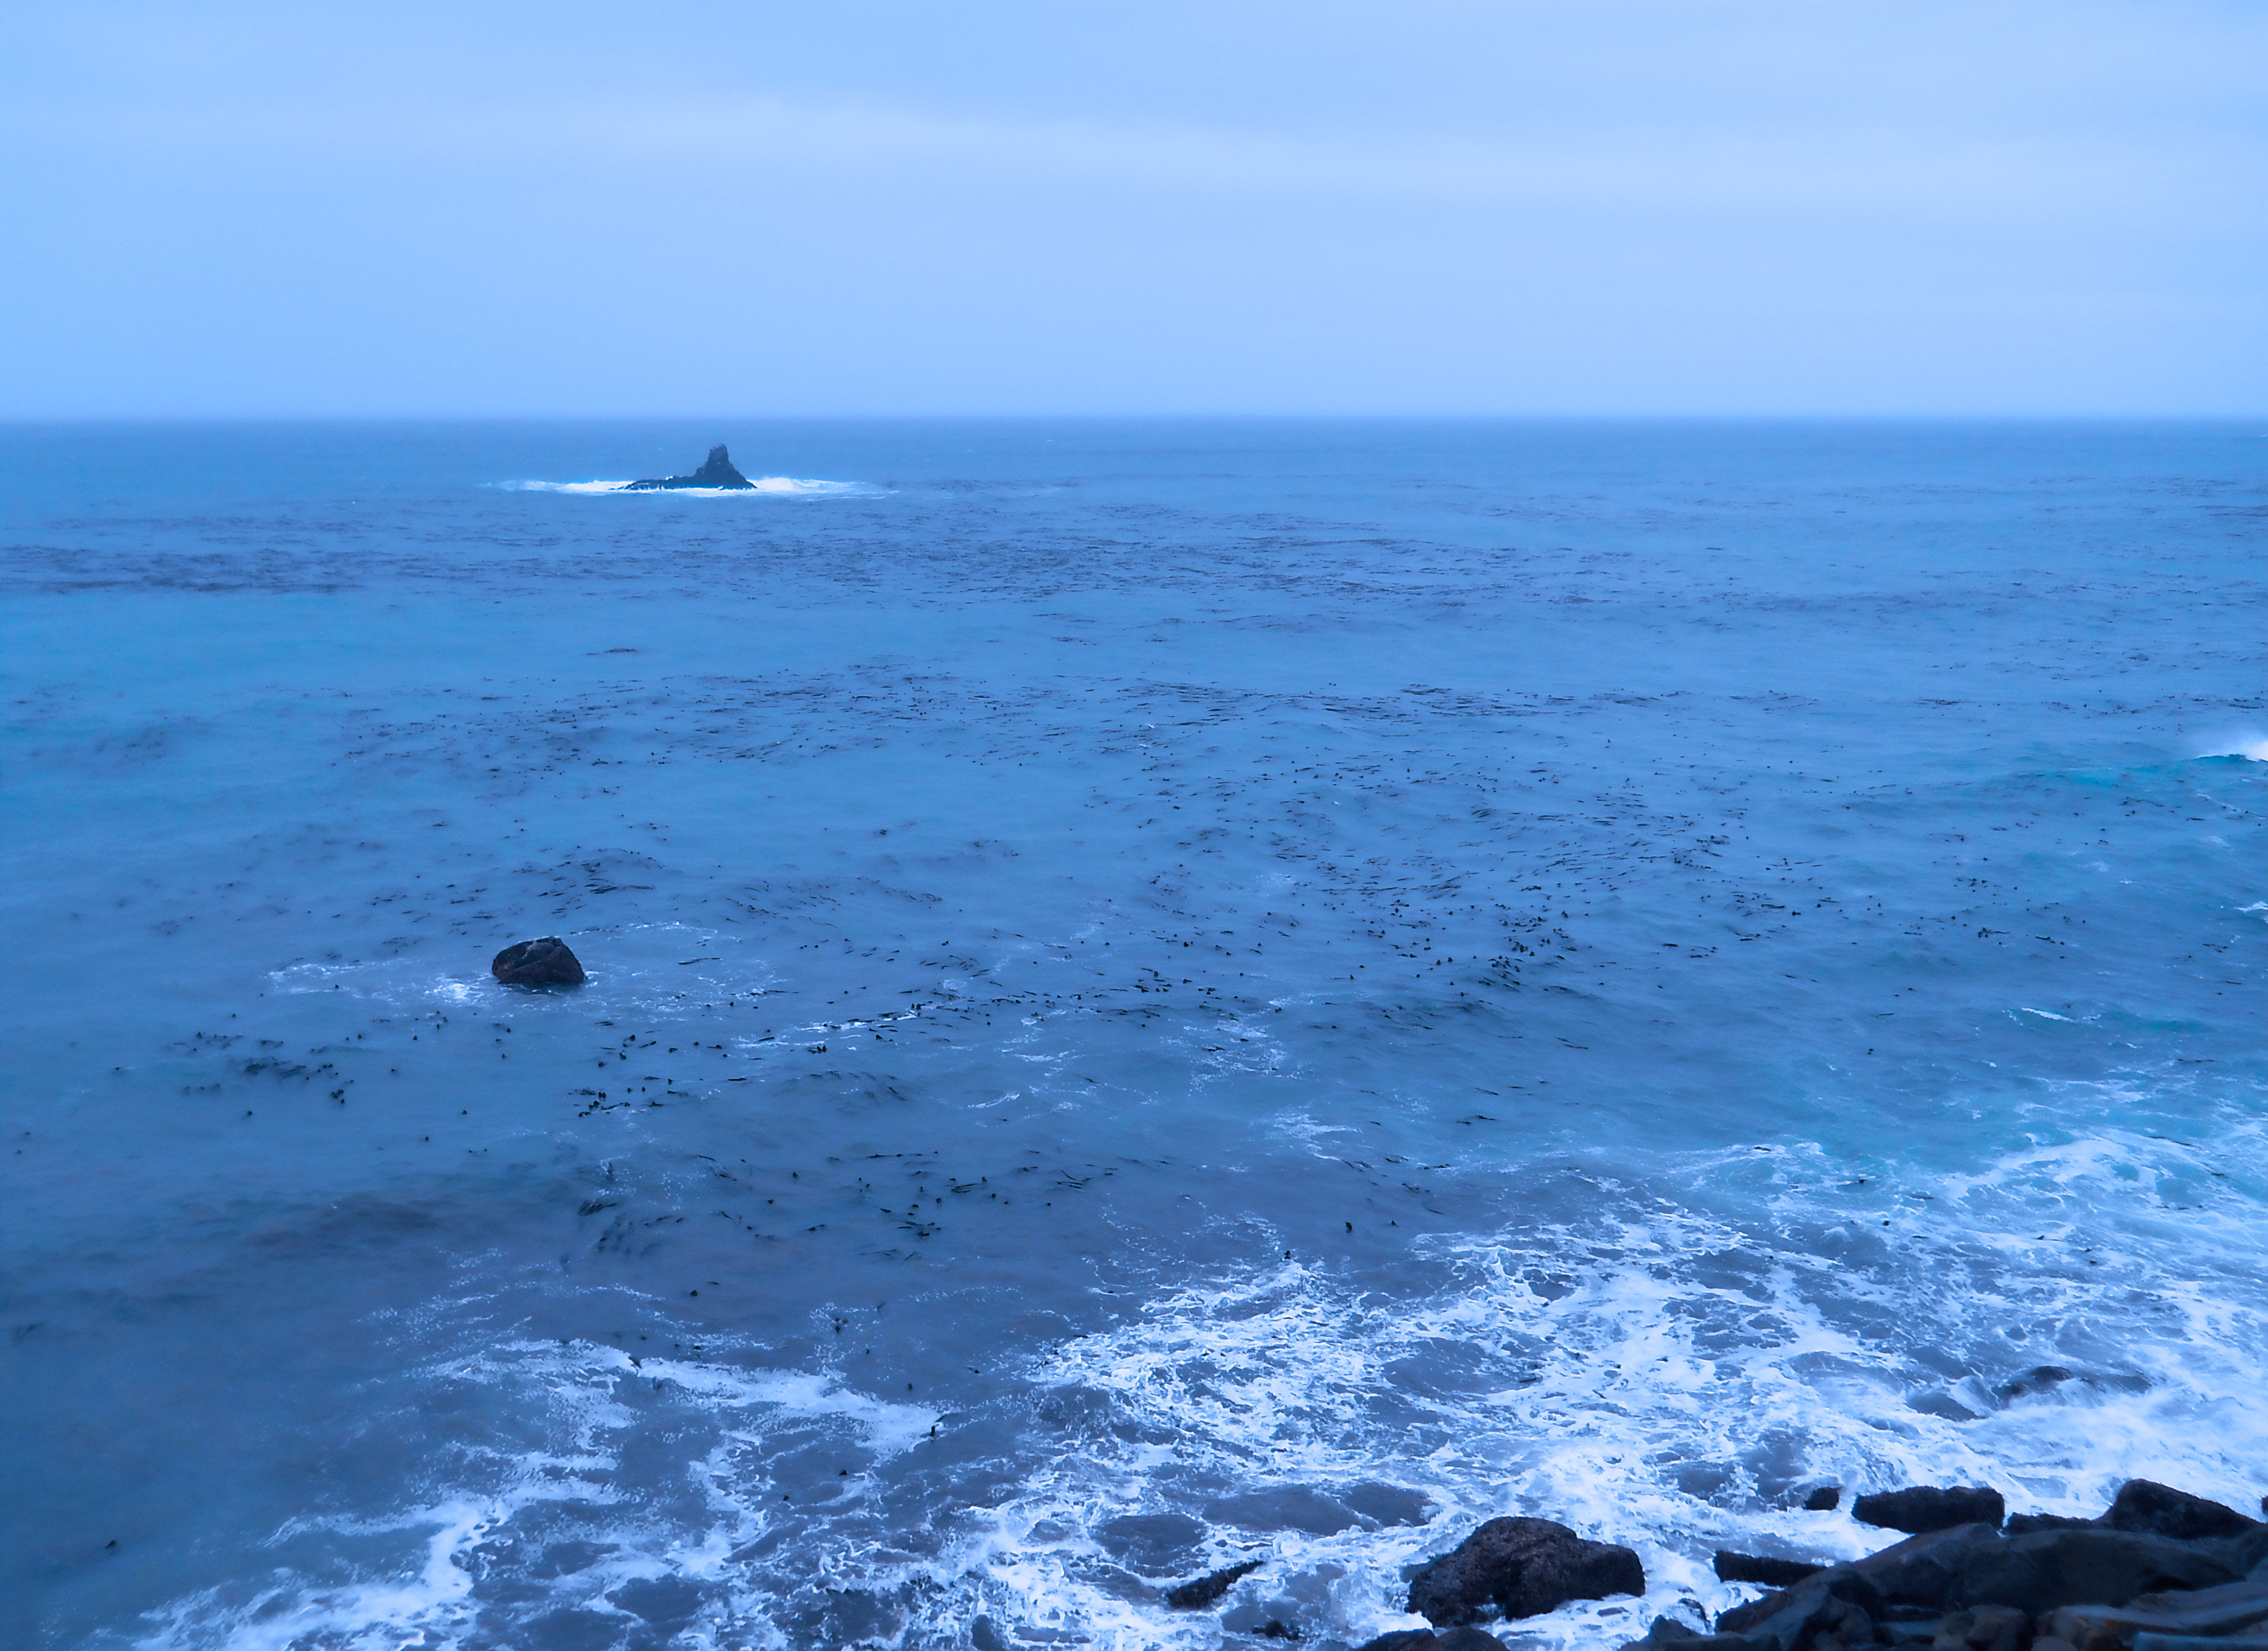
1758 1568
1922 1574
1907 1634
1924 1570
2145 1504
2232 1609
544 962
1831 1611
1202 1591
1785 1619
1922 1508
2025 1524
718 471
2246 1555
1741 1618
1825 1499
2050 1378
2043 1378
2053 1568
1524 1567
1273 1629
1987 1628
1426 1640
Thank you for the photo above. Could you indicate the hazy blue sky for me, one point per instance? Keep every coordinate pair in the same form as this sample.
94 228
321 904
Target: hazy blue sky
1101 206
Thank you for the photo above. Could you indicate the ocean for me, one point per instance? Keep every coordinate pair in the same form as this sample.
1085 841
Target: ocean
1697 962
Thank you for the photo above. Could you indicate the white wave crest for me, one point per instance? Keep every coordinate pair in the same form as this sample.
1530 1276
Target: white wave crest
1667 1381
430 1600
1666 1373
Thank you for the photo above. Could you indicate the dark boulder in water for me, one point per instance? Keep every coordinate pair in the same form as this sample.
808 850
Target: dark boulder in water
544 962
1426 1640
1926 1507
2043 1378
1524 1567
716 472
1196 1595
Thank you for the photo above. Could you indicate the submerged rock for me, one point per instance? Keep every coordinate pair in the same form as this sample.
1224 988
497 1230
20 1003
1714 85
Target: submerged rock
1925 1507
2041 1378
1524 1567
716 472
544 962
1204 1590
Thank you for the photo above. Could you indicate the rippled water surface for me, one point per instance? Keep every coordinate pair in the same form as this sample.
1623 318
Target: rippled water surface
1160 994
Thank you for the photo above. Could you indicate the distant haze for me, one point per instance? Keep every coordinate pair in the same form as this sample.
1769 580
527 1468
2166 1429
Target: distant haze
1578 206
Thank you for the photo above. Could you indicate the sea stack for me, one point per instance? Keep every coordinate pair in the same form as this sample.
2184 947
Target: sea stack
544 962
717 472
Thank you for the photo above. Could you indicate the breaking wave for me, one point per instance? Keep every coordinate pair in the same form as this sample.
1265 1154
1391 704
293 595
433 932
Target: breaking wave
1669 1372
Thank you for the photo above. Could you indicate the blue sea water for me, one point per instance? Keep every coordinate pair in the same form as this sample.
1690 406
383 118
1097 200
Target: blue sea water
1161 993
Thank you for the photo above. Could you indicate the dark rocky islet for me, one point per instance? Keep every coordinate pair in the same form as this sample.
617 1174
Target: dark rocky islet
715 471
545 962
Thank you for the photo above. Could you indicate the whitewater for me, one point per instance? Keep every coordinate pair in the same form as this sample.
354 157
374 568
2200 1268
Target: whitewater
1163 994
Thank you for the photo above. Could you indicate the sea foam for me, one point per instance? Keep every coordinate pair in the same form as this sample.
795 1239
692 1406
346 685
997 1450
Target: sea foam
760 487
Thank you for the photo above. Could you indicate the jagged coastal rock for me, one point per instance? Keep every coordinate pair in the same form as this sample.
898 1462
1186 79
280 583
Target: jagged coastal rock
2160 1570
1207 1589
1523 1567
544 962
716 472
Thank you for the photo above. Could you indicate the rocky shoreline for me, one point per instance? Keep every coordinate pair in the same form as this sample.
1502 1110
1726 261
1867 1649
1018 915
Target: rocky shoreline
2159 1570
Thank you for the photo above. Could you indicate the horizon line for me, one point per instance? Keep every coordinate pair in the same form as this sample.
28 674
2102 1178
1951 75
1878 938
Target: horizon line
9 420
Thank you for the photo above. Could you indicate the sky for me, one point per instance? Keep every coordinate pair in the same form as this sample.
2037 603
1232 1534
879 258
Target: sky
864 207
